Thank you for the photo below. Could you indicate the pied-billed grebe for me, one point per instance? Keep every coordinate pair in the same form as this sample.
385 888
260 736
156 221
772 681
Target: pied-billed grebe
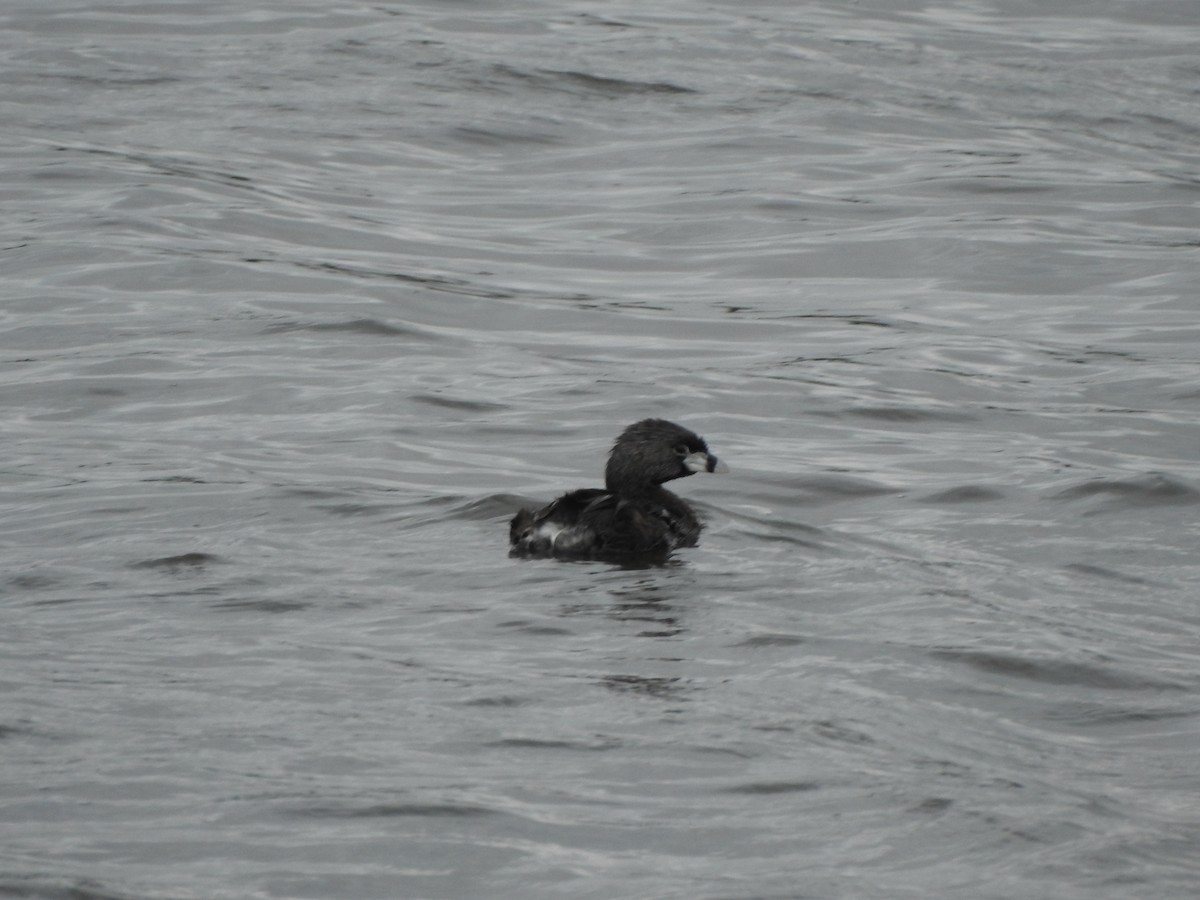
633 515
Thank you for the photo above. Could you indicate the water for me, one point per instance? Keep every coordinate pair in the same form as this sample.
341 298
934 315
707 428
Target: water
302 300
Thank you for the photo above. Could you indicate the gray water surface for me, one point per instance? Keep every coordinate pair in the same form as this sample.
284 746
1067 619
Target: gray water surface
300 301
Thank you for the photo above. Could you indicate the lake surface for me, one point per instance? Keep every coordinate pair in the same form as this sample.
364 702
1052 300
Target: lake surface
302 300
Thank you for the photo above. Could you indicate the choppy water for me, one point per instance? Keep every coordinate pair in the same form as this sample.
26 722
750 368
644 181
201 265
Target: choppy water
300 301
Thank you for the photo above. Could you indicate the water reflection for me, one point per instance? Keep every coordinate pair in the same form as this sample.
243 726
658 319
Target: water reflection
658 687
647 602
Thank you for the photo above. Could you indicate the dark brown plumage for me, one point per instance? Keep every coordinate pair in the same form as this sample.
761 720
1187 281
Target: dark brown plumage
633 516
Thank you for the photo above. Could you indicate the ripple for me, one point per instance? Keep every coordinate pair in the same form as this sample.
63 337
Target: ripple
600 84
502 701
773 640
365 327
775 787
909 414
48 888
260 605
545 744
838 487
399 810
180 563
1116 494
1054 671
967 493
12 731
459 404
1104 715
1108 573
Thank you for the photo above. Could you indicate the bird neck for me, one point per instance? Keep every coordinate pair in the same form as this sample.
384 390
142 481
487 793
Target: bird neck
644 490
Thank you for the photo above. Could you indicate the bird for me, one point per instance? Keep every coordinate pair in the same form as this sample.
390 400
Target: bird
633 515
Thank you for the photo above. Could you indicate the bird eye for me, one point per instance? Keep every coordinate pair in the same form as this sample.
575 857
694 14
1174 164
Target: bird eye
681 450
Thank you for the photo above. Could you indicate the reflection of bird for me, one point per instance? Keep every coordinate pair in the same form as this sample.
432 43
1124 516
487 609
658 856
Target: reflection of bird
633 515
